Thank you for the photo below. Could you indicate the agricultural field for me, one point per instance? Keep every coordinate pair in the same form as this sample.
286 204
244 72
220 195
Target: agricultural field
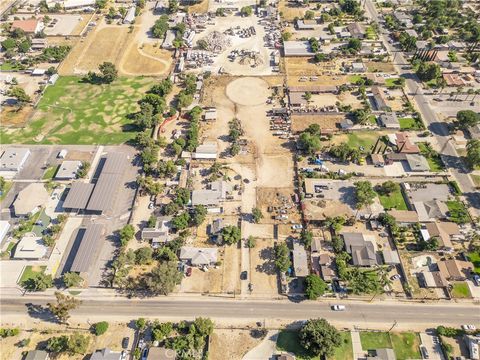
75 112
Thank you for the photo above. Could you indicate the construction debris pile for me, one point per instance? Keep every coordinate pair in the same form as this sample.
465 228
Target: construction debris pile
217 42
246 57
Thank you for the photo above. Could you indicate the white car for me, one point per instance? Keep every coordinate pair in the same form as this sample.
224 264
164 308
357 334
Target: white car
338 307
469 327
297 227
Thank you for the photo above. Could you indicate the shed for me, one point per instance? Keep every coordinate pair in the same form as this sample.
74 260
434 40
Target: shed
68 170
206 151
130 15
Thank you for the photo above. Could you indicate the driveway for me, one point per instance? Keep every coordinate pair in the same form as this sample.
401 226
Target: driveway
434 350
266 349
358 352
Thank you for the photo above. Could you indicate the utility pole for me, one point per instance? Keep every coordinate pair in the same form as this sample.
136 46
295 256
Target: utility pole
394 324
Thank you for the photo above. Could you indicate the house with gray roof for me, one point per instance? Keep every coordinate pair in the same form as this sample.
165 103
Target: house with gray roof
362 248
389 120
297 48
106 354
37 355
197 256
160 234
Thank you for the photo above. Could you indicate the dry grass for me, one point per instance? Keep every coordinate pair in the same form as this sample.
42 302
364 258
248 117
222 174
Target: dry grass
231 344
289 12
200 8
301 122
135 63
386 67
13 118
262 268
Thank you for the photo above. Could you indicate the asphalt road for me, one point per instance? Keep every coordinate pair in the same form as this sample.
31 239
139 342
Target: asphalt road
439 129
356 313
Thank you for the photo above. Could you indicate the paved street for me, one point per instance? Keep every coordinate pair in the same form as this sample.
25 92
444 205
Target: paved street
361 314
438 129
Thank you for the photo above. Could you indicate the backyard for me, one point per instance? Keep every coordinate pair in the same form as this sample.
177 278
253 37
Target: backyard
76 112
474 257
409 123
405 345
393 200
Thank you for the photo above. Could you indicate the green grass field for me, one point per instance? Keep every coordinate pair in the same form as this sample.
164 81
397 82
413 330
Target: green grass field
375 340
289 341
50 173
410 124
365 138
74 112
345 350
474 257
406 345
371 33
6 189
458 212
393 201
391 82
435 162
30 271
460 290
476 180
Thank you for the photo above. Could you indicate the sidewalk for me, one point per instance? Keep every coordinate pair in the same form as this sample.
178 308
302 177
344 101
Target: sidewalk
358 352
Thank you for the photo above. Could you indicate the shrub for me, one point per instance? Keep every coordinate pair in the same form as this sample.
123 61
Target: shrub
101 328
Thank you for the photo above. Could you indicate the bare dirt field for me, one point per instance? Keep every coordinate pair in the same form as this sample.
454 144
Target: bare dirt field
263 272
248 91
231 344
301 122
386 67
11 117
290 11
277 198
136 61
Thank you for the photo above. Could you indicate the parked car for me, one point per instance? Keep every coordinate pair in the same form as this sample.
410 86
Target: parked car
338 307
297 227
476 280
125 342
189 271
396 277
244 275
424 351
469 327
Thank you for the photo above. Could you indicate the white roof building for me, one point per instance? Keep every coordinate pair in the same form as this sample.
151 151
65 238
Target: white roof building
199 256
72 4
30 199
68 170
4 227
206 151
130 16
30 247
13 159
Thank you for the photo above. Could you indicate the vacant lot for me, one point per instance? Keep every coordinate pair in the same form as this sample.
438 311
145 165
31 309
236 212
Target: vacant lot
263 271
148 60
73 112
231 344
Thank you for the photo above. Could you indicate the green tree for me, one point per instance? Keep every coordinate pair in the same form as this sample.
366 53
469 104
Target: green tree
282 257
309 15
307 238
246 11
354 45
314 286
143 255
182 196
388 187
251 242
126 234
64 304
72 279
473 152
100 328
163 278
141 324
257 215
161 331
203 326
172 6
428 71
57 344
184 99
109 72
200 212
181 221
20 95
467 118
310 143
364 193
231 234
78 343
9 44
38 282
319 337
160 27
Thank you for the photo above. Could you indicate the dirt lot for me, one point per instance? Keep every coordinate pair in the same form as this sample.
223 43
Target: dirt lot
386 67
111 339
280 198
153 61
289 11
231 344
13 118
263 272
301 122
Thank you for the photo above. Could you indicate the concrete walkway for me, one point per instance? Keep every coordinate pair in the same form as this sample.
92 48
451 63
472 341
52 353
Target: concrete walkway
434 349
358 352
266 349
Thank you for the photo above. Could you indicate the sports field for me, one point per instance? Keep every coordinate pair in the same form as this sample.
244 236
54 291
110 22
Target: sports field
74 112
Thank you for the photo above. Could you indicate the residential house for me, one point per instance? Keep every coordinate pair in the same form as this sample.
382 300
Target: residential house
37 355
455 270
429 211
106 354
432 279
379 99
199 256
361 247
417 162
30 200
160 234
389 120
357 30
403 143
215 230
212 196
29 26
300 260
327 267
390 257
404 217
443 231
4 227
377 159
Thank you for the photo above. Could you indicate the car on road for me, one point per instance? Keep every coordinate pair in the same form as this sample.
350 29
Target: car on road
338 307
244 275
396 277
125 342
469 327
